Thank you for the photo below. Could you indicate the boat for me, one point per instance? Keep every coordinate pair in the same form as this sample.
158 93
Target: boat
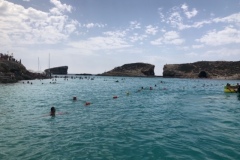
231 89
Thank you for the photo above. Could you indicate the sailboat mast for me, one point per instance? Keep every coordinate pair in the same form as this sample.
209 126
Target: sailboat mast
38 64
49 62
49 66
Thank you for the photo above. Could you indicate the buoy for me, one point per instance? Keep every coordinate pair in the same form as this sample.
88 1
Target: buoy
115 97
74 98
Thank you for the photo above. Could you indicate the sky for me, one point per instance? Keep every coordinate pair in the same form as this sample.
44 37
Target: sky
94 36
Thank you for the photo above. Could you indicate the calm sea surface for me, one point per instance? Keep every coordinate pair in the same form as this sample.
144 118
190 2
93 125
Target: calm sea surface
178 119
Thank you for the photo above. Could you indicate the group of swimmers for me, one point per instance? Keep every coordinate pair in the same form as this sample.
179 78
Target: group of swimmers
53 110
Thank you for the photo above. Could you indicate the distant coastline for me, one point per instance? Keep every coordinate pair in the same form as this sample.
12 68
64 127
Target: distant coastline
12 70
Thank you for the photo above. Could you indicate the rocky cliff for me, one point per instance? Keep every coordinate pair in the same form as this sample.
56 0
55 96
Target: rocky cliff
132 69
12 71
58 70
204 69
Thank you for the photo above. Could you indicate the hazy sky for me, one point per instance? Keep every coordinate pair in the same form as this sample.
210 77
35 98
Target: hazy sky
93 36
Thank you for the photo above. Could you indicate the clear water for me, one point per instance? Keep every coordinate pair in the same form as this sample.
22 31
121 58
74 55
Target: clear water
178 119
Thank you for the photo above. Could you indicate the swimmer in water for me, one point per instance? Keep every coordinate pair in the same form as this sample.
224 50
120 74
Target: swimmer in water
74 98
52 112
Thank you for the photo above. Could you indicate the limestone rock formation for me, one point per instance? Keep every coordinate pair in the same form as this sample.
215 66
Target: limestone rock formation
132 69
58 70
204 69
12 71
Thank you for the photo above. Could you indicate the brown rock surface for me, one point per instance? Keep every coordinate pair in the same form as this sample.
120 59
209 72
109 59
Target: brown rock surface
12 71
204 69
132 69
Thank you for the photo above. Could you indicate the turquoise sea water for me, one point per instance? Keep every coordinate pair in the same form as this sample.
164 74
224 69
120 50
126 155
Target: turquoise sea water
178 119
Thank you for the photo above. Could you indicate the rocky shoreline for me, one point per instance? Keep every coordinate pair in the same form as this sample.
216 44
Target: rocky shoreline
12 71
204 69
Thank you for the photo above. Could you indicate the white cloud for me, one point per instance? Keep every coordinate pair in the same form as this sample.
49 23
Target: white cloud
135 25
197 46
110 40
93 25
175 19
188 13
137 37
115 33
229 35
59 7
223 53
21 25
151 30
192 54
171 37
100 43
234 18
161 15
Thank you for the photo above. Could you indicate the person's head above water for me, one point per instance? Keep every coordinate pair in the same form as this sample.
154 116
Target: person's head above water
53 110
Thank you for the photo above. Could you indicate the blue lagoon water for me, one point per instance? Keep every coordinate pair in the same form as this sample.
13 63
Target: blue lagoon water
178 119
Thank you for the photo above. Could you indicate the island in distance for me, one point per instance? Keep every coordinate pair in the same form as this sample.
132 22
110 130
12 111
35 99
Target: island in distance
132 69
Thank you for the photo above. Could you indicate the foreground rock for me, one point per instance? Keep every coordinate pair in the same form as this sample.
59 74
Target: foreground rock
132 69
13 71
58 70
204 69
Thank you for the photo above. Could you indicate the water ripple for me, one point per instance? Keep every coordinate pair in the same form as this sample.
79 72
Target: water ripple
178 119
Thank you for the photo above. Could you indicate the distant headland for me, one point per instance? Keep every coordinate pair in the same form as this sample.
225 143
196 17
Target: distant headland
132 69
204 69
12 70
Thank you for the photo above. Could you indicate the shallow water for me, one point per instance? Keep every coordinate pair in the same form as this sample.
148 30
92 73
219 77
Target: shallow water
178 119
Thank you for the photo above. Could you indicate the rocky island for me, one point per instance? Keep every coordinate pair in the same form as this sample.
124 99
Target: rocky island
57 70
204 69
132 69
12 70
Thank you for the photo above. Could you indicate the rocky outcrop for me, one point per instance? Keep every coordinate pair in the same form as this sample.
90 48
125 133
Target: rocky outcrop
13 71
132 69
58 70
204 69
